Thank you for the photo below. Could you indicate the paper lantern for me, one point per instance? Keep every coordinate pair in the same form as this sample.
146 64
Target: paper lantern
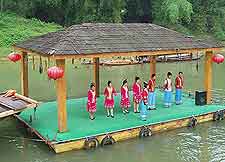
218 58
55 72
14 57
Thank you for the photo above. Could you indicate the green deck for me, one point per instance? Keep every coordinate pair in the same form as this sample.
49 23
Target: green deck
79 125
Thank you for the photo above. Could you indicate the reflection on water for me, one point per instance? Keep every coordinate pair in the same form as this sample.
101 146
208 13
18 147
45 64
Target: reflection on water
188 146
204 143
216 143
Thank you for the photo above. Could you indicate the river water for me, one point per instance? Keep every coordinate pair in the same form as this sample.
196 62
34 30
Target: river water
204 143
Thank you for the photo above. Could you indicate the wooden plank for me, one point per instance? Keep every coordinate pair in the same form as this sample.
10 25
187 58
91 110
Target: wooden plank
96 75
208 75
152 65
24 74
61 98
7 113
26 99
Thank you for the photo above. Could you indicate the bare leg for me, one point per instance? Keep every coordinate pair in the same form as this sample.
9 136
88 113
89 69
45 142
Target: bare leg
111 111
123 109
135 107
91 115
108 113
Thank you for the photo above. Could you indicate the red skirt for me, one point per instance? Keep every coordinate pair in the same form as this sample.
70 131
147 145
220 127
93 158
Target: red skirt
109 103
91 107
137 99
125 103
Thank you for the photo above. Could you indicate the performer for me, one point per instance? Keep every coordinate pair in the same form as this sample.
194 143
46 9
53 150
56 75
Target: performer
144 102
125 100
109 93
91 103
151 93
179 85
168 90
137 94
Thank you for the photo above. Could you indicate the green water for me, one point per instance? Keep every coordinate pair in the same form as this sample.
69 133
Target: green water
204 143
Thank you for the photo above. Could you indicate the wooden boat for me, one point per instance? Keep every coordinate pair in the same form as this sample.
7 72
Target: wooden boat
11 104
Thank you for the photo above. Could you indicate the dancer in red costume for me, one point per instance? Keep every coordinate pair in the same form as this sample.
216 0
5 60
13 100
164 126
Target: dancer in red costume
125 100
91 103
179 85
137 94
109 93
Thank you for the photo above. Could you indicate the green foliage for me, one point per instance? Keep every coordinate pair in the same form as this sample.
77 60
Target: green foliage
186 16
175 11
14 28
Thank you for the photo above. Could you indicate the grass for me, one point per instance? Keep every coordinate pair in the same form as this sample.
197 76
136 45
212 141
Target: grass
14 28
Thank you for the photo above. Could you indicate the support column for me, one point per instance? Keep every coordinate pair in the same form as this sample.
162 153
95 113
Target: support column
61 98
96 75
152 65
24 74
208 75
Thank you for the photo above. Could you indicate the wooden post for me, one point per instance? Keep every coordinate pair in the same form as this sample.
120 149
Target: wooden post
61 98
96 75
24 74
208 75
152 65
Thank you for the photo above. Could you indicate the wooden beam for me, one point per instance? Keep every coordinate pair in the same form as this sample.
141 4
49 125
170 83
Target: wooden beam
24 74
208 75
61 98
136 53
116 54
96 75
152 65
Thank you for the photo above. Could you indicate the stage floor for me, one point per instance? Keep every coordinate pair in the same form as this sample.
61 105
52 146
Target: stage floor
80 126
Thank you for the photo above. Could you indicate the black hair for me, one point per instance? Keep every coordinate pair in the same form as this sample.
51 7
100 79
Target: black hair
169 74
180 72
109 82
124 82
137 78
153 75
92 85
145 84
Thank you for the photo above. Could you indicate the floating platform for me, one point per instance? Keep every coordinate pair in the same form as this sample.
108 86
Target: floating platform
121 127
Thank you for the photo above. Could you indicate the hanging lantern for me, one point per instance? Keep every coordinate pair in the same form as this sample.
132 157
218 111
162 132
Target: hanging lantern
218 58
14 57
55 72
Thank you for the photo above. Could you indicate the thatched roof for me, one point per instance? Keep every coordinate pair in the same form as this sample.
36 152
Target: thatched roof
110 38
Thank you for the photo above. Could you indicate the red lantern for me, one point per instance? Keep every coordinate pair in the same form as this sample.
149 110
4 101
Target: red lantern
14 57
55 72
218 58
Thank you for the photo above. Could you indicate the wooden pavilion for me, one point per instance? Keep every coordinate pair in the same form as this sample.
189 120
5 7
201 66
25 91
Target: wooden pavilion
107 40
